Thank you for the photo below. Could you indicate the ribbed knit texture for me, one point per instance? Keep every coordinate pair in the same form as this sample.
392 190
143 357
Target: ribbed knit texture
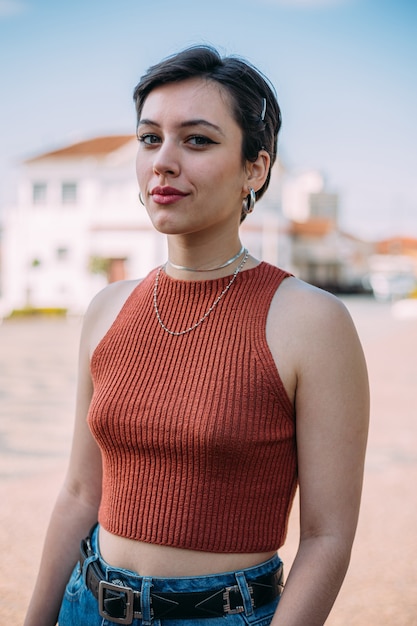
197 432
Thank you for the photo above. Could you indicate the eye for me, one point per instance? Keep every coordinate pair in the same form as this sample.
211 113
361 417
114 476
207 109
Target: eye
200 140
149 139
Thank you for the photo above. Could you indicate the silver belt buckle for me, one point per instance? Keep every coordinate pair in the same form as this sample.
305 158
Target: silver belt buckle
226 600
127 591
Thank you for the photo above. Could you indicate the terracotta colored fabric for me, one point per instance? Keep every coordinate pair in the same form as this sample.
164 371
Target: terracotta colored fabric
197 432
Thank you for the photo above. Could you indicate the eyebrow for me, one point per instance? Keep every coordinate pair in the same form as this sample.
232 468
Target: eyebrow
186 124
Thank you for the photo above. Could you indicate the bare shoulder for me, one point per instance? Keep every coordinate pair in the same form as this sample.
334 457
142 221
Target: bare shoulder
103 310
306 328
306 308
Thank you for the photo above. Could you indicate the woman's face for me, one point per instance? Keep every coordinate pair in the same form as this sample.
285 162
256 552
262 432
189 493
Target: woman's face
189 163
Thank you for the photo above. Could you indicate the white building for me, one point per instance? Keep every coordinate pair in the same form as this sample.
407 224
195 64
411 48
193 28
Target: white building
78 223
305 197
321 253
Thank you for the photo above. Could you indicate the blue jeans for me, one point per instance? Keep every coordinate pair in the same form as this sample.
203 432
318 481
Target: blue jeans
80 608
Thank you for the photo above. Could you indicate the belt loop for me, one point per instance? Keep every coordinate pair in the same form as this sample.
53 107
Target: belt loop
90 559
145 601
245 592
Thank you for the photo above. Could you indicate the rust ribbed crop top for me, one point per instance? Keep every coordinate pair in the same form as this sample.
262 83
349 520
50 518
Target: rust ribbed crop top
197 432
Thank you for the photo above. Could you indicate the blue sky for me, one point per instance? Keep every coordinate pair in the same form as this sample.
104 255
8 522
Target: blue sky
344 70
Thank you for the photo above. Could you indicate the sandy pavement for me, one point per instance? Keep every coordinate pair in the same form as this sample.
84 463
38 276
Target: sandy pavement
38 362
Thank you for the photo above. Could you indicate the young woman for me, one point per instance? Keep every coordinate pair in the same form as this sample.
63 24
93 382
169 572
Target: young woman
207 392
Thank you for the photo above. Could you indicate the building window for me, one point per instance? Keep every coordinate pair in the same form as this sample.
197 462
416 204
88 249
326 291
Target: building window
69 193
62 254
39 193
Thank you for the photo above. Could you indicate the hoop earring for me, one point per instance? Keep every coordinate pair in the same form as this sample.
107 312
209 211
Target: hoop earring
141 199
248 203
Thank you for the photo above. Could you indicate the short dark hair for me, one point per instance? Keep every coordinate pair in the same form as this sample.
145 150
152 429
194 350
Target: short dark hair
255 106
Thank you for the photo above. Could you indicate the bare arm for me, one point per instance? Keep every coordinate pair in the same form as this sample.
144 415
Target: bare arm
77 505
75 510
332 405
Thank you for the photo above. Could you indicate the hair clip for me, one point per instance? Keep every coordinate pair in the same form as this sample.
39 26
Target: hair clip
263 109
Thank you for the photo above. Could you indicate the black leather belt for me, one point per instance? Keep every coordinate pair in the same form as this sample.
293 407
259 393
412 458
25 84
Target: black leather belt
122 604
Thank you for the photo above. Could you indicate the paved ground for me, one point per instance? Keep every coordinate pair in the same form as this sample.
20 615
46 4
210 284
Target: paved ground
38 363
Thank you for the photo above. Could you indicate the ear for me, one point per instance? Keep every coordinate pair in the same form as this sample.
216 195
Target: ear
257 171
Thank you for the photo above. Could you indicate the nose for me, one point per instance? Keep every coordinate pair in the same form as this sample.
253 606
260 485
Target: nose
166 161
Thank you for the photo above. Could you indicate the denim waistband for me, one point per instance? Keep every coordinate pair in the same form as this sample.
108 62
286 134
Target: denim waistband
182 583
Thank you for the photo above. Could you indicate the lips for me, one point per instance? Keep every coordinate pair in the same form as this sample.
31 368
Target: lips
167 195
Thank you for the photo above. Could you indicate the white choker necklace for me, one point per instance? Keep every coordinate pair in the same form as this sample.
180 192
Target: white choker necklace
211 269
213 306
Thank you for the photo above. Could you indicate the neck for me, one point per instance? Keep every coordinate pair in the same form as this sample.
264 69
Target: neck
202 268
202 258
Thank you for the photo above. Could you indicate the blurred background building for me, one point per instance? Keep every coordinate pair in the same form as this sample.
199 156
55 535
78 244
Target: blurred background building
78 225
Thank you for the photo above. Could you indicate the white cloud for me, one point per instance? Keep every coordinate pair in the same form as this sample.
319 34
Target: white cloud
11 7
305 4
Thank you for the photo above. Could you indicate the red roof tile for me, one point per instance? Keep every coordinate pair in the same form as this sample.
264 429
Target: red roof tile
397 245
99 146
314 227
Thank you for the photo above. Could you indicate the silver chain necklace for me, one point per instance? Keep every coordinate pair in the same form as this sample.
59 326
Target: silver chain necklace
213 306
211 269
